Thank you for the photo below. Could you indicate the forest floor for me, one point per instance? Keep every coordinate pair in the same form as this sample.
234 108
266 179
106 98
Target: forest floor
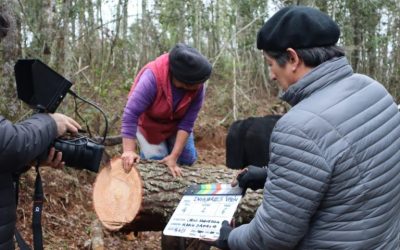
68 210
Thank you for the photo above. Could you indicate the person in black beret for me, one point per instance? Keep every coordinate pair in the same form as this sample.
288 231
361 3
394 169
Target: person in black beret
162 107
332 177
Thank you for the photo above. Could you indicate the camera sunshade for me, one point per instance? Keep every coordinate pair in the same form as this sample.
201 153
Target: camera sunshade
39 86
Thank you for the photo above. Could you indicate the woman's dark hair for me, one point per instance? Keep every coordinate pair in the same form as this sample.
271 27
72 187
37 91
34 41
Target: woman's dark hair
311 57
4 25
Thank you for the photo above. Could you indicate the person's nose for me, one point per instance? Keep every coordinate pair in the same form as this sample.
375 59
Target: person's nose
272 76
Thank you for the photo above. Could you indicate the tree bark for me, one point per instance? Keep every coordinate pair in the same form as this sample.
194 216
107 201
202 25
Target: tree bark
67 50
162 193
48 31
9 52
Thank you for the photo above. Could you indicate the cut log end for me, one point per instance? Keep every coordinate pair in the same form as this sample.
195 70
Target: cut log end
117 196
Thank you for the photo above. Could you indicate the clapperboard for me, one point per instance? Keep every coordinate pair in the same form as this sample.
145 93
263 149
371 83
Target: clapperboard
202 210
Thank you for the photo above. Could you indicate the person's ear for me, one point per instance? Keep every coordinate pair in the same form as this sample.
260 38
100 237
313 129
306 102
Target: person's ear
294 59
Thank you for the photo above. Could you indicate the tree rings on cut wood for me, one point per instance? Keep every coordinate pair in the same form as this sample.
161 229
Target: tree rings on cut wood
117 196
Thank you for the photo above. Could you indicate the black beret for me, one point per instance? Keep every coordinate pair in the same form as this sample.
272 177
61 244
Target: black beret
188 65
297 27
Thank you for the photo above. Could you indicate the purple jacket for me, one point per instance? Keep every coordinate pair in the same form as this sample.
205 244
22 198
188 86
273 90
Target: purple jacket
143 97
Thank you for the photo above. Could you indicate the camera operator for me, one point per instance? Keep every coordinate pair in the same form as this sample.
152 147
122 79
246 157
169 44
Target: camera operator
20 144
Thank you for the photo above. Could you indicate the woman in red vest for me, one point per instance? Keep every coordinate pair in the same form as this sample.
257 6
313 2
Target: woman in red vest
162 107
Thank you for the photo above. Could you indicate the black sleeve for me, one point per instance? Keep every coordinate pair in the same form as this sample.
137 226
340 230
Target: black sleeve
22 142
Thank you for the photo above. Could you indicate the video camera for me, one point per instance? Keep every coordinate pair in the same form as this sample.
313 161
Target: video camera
43 89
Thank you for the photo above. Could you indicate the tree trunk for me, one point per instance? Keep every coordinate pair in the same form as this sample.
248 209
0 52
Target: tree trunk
48 30
160 195
125 49
67 53
9 52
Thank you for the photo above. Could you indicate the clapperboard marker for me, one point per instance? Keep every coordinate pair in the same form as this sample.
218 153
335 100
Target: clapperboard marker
203 206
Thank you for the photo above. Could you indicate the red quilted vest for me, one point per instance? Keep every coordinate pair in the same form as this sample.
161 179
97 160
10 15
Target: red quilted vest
159 121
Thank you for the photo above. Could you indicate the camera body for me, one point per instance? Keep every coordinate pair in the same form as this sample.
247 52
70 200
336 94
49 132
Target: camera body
43 90
81 153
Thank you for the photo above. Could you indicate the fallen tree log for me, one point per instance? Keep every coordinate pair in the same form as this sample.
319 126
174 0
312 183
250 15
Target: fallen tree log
112 140
146 198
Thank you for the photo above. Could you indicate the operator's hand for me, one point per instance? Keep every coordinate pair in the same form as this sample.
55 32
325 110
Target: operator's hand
252 177
129 159
54 159
65 123
173 167
222 241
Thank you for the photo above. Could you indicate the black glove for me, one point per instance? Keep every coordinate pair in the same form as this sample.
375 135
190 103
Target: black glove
253 178
222 241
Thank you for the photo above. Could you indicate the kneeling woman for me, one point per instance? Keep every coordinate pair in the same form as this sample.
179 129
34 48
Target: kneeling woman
162 107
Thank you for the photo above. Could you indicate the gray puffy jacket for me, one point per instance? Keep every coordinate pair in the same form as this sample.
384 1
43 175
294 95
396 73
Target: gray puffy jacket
19 144
334 172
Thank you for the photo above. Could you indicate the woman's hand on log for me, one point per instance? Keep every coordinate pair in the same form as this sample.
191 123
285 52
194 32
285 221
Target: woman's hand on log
173 167
129 159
